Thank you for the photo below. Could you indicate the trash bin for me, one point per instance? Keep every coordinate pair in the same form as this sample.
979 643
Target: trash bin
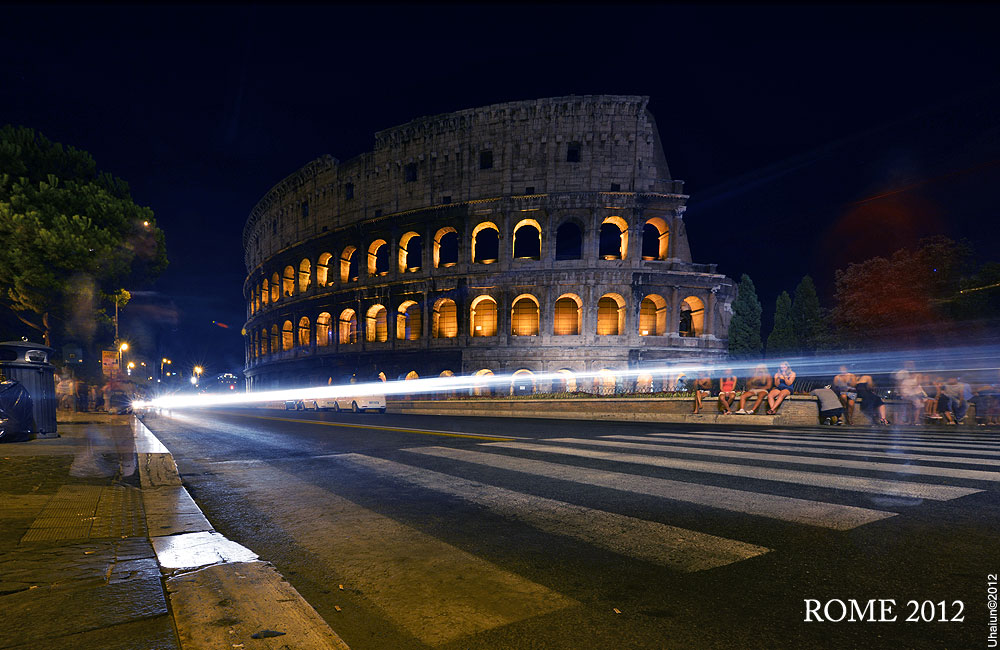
28 364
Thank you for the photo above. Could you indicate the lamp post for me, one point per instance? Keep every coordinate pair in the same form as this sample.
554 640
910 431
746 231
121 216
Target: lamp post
196 377
122 349
164 362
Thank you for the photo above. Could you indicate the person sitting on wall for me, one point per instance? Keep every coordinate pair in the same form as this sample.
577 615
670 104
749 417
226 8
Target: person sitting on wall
702 388
758 386
783 381
843 385
831 411
727 391
871 403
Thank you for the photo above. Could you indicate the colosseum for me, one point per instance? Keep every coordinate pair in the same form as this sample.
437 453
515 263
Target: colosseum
517 238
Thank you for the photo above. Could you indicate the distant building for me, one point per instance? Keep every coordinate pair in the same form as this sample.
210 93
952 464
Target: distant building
523 237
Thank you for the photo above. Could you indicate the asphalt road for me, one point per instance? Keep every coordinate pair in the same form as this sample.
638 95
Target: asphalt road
420 531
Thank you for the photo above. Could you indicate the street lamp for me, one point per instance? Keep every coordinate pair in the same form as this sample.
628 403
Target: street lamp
197 374
121 355
164 362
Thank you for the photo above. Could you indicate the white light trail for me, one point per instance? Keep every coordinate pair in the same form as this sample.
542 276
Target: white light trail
968 361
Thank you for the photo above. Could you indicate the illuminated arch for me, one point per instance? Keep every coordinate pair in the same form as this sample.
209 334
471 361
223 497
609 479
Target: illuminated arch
566 383
693 321
655 238
288 282
644 383
349 264
480 389
606 382
568 315
411 375
347 327
287 336
485 243
377 324
610 315
446 373
483 312
381 377
275 339
304 333
275 287
569 241
444 320
411 250
445 250
305 270
653 316
378 258
265 292
323 329
323 269
614 239
524 316
527 243
409 321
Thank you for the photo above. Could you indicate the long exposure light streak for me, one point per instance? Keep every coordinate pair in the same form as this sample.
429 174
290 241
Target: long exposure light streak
970 362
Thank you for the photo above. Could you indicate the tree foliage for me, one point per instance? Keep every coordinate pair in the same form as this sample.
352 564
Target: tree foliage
68 233
782 339
910 292
744 327
808 319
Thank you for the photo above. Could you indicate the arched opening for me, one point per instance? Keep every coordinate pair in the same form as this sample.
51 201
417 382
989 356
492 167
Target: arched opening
653 316
485 243
610 315
265 349
411 375
482 387
527 240
377 324
381 377
565 382
349 265
323 322
347 326
275 288
304 333
522 382
524 316
692 322
445 319
275 339
378 258
323 269
655 237
445 247
305 269
569 242
644 383
409 321
614 239
446 373
411 251
288 282
568 315
287 336
265 291
484 316
605 382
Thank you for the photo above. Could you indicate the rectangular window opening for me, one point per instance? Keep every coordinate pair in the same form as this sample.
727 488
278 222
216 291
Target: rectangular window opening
410 173
573 152
485 160
349 190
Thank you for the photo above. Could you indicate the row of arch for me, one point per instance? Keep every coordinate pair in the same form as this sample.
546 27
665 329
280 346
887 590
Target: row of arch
485 247
483 310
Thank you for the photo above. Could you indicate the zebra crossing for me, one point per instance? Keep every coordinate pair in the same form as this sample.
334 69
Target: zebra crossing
915 467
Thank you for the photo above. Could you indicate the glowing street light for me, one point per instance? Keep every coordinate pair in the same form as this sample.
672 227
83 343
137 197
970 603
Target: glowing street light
197 374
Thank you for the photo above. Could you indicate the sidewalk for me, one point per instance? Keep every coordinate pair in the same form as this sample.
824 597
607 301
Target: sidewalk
102 547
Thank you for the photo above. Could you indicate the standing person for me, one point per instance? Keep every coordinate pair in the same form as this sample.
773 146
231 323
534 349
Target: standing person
909 389
844 386
870 402
759 385
727 391
784 379
702 388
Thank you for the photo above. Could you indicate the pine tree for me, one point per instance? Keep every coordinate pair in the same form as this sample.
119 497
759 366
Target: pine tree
744 328
808 319
782 339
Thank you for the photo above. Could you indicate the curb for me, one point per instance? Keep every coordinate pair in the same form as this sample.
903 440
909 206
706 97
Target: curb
221 594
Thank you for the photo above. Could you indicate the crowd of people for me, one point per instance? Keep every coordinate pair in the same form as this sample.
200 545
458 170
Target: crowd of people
923 397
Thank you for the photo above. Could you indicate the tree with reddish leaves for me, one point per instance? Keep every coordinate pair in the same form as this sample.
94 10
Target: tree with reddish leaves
903 299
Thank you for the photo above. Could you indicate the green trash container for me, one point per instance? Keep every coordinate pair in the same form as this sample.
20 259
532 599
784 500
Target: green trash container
28 364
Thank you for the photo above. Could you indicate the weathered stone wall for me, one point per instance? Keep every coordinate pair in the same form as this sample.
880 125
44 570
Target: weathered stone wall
426 177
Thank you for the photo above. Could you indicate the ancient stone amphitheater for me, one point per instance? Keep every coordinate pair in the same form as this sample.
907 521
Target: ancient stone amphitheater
524 237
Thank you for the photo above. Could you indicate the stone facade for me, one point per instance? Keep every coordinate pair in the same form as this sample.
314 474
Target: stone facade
530 236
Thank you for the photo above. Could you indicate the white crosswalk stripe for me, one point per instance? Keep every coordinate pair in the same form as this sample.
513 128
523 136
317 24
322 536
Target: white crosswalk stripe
679 548
922 470
898 455
817 441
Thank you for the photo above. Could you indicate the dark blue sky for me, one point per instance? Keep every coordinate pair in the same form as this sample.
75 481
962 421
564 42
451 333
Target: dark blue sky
782 120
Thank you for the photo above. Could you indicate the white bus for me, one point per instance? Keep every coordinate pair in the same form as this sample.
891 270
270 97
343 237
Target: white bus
353 403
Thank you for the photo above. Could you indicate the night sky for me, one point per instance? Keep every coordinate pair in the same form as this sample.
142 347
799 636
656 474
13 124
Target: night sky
807 137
